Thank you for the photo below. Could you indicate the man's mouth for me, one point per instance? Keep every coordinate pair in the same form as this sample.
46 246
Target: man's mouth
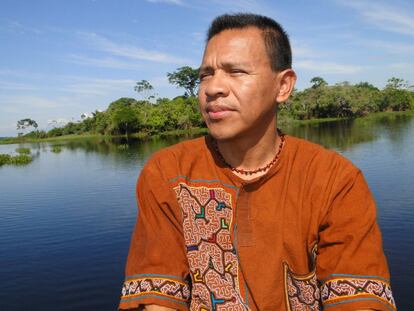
216 112
215 115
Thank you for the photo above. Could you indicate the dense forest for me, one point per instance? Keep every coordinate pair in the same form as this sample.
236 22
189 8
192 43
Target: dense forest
150 115
345 100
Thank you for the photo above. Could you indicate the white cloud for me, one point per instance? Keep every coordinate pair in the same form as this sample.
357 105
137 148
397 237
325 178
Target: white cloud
71 97
57 122
248 6
391 47
402 70
198 35
244 5
160 81
18 27
176 2
383 16
7 129
128 51
328 67
402 65
300 49
13 73
108 62
233 6
26 104
6 85
91 87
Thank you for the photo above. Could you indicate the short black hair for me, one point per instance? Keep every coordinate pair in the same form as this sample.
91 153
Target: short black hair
275 37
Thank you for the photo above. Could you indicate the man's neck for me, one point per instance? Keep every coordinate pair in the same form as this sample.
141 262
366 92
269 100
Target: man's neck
251 151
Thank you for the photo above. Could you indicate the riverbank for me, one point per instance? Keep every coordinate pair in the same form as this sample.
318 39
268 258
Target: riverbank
282 121
21 140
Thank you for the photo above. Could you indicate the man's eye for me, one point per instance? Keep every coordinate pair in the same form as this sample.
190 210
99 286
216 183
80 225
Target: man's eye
204 75
237 71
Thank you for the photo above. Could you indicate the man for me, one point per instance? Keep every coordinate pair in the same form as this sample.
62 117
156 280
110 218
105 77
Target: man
248 218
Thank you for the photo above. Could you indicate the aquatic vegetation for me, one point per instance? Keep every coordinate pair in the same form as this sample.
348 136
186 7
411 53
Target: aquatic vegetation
4 158
20 159
56 149
123 147
23 150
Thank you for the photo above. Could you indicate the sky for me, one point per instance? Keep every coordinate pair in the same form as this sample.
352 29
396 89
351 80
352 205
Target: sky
60 59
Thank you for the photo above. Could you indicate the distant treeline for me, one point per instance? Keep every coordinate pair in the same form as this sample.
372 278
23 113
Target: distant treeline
344 100
128 115
150 116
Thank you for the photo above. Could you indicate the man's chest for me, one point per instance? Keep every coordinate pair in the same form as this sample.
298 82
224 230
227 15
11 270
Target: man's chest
237 238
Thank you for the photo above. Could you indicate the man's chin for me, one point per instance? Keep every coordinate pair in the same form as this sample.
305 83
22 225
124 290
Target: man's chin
221 134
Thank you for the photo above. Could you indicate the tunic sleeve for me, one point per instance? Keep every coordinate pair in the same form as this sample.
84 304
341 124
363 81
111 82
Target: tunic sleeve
157 269
351 265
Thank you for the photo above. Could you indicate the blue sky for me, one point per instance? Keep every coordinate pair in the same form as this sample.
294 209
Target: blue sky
59 59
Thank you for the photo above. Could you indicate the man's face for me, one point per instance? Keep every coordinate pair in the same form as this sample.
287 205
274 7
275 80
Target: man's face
238 88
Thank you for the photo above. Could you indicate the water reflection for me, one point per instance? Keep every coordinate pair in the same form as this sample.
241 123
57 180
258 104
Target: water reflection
344 134
340 135
67 217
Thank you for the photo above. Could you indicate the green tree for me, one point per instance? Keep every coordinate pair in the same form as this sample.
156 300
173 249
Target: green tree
397 99
185 77
124 120
318 82
121 102
396 83
157 120
365 98
57 131
25 123
366 85
145 88
102 122
72 128
397 95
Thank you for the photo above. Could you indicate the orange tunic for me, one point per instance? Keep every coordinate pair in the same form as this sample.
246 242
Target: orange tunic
302 237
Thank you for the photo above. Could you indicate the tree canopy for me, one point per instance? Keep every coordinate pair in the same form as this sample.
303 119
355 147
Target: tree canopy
128 115
144 87
185 77
24 123
318 82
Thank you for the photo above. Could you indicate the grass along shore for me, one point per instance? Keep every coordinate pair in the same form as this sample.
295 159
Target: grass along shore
282 121
20 140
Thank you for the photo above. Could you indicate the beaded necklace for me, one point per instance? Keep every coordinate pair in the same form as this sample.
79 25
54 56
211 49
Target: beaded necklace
260 169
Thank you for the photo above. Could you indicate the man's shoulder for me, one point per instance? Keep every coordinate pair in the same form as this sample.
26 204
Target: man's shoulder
310 154
178 158
187 149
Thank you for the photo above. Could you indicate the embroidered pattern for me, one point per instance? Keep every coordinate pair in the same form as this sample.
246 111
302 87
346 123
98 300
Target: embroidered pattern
302 292
167 288
207 221
347 288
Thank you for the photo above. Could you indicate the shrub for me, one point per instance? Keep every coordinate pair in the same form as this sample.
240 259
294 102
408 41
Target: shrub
123 147
4 159
56 149
20 159
23 150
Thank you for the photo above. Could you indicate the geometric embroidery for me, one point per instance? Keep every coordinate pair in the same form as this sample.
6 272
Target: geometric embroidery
302 291
168 288
348 288
207 223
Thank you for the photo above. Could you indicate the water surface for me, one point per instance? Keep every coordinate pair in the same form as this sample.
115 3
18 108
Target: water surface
66 218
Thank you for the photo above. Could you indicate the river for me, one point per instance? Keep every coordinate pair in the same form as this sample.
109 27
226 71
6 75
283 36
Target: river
66 218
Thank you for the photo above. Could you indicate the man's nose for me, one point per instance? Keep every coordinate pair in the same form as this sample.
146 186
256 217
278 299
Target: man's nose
217 85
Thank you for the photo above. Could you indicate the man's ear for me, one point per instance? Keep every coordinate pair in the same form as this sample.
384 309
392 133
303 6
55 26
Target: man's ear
287 80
